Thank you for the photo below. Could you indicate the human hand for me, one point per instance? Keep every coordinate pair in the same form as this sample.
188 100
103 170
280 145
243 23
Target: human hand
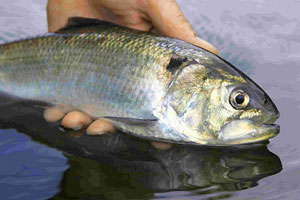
162 16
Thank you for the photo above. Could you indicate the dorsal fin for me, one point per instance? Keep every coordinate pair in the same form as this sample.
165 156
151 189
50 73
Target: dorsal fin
75 23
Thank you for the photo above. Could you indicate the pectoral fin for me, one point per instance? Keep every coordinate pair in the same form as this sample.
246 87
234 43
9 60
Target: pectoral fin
150 129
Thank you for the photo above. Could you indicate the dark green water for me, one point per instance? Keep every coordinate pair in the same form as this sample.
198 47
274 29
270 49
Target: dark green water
259 37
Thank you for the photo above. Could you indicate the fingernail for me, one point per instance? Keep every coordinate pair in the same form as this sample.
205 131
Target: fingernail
53 115
76 128
89 132
161 145
206 45
66 129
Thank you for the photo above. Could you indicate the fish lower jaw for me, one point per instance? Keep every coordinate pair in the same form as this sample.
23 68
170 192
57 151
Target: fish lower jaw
244 132
254 138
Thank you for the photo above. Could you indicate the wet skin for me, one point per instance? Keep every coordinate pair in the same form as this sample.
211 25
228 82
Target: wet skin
164 17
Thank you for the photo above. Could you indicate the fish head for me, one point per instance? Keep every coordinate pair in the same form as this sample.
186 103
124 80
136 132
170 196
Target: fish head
219 105
240 112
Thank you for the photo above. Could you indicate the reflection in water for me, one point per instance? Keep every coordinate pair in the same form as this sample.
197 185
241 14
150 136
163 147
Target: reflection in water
117 166
181 168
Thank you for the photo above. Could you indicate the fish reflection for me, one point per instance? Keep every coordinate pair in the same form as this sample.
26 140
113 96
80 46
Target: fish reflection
116 166
181 168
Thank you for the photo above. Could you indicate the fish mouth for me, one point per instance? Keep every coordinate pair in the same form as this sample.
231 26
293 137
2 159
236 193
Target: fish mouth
244 132
262 133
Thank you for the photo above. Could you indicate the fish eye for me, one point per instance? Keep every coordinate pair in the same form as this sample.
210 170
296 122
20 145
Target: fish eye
239 99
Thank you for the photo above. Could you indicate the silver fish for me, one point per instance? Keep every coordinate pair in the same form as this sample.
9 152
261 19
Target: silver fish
147 85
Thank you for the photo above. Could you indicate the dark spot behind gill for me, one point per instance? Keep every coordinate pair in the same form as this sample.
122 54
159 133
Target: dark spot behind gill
175 63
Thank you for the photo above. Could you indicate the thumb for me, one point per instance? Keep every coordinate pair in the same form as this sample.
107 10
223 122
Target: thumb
169 20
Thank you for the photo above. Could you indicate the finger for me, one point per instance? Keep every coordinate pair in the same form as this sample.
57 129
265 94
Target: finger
99 127
131 18
144 26
161 145
169 20
58 12
53 114
76 120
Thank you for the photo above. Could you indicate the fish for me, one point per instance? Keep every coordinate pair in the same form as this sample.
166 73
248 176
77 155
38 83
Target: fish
150 86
